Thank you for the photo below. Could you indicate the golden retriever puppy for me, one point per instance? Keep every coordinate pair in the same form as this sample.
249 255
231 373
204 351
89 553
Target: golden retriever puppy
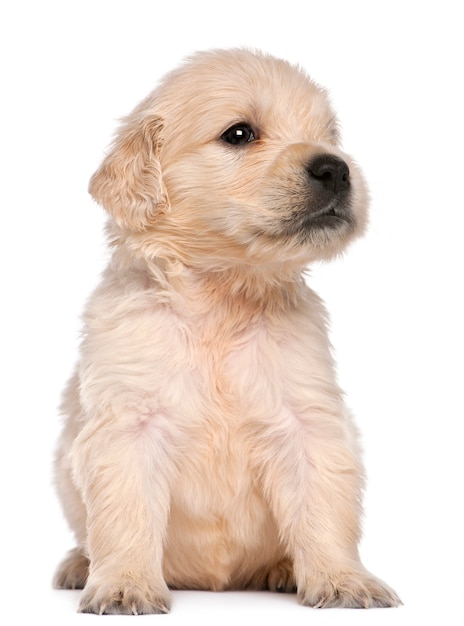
206 444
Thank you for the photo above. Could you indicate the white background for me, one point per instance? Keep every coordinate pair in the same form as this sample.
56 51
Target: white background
394 70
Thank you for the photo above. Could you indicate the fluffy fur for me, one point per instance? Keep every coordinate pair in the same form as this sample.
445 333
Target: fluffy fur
206 444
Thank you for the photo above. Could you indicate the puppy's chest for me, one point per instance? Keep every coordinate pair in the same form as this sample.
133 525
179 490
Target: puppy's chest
224 353
215 471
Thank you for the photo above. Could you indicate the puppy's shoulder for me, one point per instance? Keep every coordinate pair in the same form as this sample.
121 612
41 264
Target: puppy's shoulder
125 290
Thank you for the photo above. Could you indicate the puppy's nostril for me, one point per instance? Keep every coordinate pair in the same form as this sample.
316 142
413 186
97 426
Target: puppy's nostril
331 171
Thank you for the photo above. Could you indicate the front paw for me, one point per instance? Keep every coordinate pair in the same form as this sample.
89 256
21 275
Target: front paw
124 598
355 590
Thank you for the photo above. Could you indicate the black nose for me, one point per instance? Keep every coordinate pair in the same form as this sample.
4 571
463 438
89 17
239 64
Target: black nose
330 171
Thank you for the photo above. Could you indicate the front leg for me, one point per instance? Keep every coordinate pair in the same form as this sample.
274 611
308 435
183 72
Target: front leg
312 478
123 467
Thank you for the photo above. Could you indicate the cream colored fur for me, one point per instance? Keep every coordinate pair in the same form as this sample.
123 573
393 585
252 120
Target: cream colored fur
207 445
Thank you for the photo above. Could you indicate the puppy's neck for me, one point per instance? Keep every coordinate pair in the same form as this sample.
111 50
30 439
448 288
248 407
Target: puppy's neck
245 290
249 290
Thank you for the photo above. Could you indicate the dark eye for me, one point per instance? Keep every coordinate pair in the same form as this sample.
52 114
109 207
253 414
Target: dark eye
238 134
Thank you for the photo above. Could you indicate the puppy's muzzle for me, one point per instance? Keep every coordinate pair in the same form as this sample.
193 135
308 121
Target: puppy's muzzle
327 206
329 182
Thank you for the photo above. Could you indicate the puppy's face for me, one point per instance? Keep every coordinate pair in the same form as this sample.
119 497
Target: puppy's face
234 159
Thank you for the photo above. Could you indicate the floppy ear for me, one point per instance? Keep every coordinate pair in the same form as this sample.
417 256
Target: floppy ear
129 182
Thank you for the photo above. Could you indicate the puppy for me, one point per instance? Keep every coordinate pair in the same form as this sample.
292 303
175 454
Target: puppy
206 444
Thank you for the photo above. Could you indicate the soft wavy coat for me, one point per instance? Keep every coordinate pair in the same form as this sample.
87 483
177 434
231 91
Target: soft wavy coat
207 445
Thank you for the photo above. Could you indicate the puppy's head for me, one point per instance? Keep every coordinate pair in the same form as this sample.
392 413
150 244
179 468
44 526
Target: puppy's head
234 158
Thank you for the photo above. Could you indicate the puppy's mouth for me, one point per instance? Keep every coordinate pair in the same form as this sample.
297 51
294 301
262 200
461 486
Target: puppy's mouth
333 218
334 214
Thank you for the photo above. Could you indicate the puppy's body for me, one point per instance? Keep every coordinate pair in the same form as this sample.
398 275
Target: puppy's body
207 445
